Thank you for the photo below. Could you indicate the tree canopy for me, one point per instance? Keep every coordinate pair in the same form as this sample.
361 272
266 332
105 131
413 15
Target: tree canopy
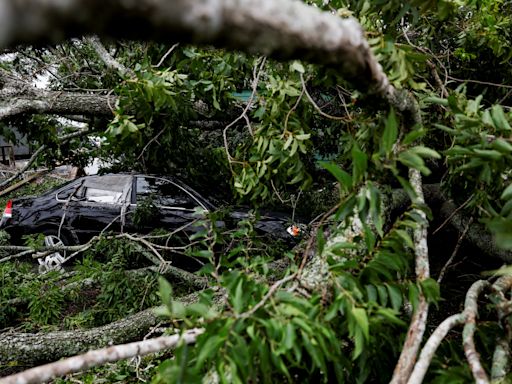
385 125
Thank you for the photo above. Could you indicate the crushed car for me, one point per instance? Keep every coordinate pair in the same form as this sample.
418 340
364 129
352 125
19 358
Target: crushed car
75 212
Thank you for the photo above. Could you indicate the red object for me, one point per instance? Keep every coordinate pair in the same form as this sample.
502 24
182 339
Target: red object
8 209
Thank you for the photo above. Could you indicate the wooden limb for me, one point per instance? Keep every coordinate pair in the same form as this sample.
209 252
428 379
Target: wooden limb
29 163
418 323
20 183
32 348
28 349
428 351
100 357
501 359
107 58
284 30
468 342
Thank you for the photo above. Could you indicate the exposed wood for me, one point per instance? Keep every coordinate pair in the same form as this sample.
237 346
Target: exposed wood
21 183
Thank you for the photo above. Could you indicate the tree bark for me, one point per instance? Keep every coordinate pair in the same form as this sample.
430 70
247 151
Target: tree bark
56 102
282 29
29 349
33 348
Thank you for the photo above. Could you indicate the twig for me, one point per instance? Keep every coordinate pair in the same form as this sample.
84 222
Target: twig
453 214
455 250
165 56
29 163
35 155
268 295
315 105
149 142
99 357
479 82
257 71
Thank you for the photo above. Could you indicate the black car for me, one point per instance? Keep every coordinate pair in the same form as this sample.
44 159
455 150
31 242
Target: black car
85 207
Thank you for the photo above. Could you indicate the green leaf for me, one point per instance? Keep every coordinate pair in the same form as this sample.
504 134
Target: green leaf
383 294
405 237
502 145
359 164
297 66
507 193
303 136
488 154
499 118
343 177
412 136
436 100
238 301
390 133
391 315
395 296
361 319
359 343
431 290
209 349
425 152
320 240
414 295
165 289
412 160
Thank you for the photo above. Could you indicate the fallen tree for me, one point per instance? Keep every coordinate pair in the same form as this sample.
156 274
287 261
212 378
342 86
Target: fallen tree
357 273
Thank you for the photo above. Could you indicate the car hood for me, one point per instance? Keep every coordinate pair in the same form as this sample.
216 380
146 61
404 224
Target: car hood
277 224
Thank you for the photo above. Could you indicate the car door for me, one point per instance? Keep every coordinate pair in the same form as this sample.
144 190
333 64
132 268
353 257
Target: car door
163 203
100 205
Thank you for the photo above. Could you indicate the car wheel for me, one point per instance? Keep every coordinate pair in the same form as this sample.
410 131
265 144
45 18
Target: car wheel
53 261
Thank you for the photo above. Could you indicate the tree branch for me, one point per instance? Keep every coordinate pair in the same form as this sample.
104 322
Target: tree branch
107 58
56 102
284 30
418 324
101 356
428 351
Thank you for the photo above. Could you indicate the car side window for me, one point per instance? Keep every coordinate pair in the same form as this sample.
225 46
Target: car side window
101 195
108 189
164 193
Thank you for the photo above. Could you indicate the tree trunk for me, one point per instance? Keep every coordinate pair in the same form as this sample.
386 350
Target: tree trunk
32 348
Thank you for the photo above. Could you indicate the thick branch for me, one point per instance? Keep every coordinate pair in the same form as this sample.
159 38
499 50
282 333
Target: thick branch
100 357
418 324
107 58
428 351
282 29
55 102
31 348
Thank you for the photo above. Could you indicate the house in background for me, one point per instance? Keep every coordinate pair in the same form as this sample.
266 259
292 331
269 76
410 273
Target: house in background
9 152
